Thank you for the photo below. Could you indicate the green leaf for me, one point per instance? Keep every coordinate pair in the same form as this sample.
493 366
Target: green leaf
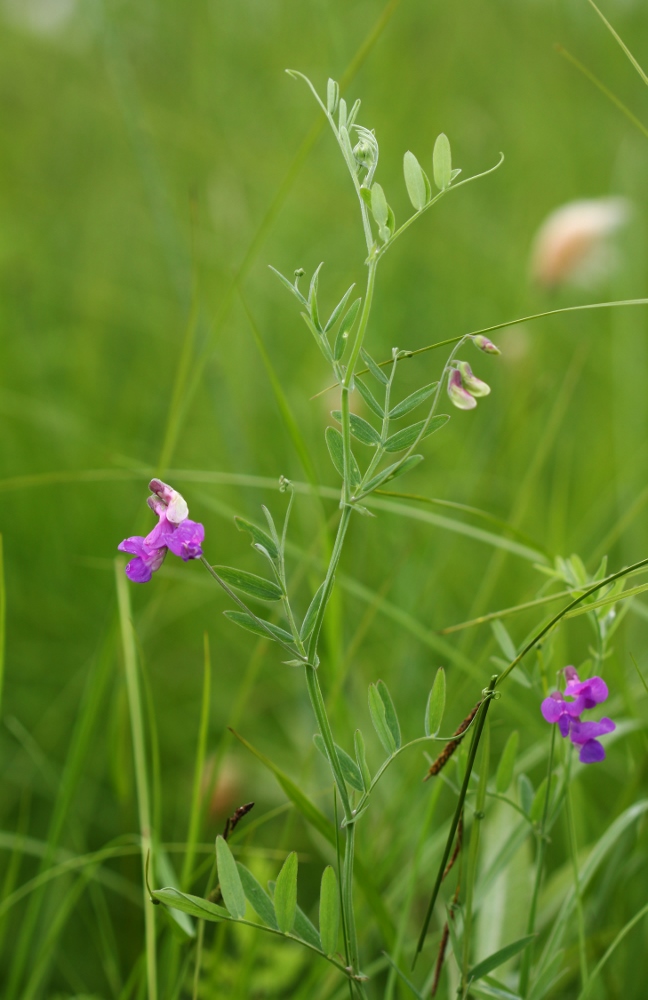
203 909
537 806
405 438
360 428
304 929
499 957
379 206
415 399
393 471
348 766
250 583
415 182
353 114
336 451
312 298
332 96
374 368
309 618
337 312
442 163
259 537
323 825
342 120
391 717
361 757
379 720
504 640
257 897
229 879
436 704
320 340
526 792
285 896
289 285
329 912
247 622
369 398
506 766
164 870
345 328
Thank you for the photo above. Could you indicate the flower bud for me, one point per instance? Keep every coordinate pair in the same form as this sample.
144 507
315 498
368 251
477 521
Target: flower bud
364 153
474 385
459 396
485 345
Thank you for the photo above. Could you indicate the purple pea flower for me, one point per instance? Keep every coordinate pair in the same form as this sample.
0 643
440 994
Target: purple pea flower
585 695
174 531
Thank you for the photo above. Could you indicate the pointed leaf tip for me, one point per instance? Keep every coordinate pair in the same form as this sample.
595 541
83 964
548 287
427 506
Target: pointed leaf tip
285 895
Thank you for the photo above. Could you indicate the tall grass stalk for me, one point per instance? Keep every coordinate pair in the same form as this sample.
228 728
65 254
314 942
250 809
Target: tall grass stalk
141 769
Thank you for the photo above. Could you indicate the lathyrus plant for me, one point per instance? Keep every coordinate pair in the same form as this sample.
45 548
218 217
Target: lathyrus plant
367 454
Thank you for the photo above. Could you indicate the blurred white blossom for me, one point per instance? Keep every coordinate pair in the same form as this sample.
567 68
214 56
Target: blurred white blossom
573 245
42 17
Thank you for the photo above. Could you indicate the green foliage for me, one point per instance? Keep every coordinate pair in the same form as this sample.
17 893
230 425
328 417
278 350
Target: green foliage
230 881
285 894
436 704
329 912
133 281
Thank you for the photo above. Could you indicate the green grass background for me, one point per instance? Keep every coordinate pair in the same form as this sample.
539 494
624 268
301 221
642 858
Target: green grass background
151 168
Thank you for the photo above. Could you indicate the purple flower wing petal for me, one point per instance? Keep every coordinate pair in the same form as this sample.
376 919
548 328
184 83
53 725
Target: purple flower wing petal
186 539
591 752
134 546
595 691
581 732
552 708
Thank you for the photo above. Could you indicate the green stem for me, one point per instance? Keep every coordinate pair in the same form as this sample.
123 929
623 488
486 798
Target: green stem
472 859
527 955
324 726
488 693
139 755
573 850
196 810
362 325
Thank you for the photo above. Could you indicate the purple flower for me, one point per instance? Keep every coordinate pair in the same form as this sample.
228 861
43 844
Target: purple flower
585 695
174 531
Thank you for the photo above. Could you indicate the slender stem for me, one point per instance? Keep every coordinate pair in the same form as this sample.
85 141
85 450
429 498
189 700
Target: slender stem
472 858
196 809
319 708
3 611
139 755
347 894
481 717
527 955
573 850
362 325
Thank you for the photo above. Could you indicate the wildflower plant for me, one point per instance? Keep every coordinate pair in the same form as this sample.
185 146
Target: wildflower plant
367 454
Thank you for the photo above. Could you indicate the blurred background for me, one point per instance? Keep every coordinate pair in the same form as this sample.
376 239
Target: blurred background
155 159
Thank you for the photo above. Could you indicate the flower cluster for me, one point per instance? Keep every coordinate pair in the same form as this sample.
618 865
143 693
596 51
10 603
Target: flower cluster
464 388
173 531
585 695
